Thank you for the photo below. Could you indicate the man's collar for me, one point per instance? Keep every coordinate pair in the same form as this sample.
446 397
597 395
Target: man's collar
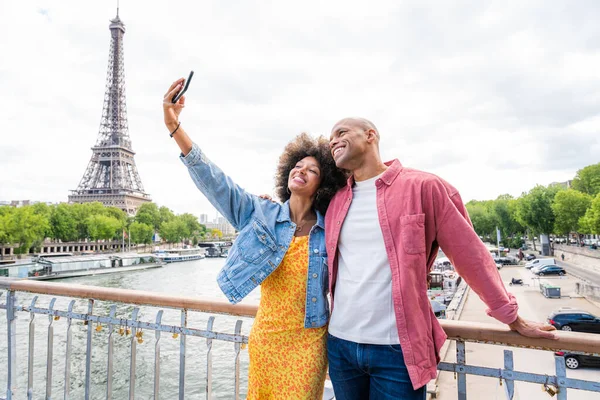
394 168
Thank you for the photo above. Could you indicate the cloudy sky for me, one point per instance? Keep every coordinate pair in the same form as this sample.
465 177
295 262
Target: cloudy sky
495 98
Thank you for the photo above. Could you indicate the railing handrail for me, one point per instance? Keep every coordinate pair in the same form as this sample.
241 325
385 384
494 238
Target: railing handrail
129 296
456 330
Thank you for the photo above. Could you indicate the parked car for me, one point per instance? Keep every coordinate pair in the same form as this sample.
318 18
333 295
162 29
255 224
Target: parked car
539 262
529 257
572 319
574 361
550 270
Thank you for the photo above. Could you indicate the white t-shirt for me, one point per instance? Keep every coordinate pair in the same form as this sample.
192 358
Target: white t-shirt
364 310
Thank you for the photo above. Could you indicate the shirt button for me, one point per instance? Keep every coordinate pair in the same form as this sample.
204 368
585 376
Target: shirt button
315 275
314 299
316 250
338 222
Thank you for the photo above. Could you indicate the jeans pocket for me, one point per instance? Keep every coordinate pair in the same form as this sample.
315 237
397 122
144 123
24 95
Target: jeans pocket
395 348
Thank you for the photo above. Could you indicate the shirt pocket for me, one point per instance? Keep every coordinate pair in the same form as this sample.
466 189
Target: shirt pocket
413 233
257 243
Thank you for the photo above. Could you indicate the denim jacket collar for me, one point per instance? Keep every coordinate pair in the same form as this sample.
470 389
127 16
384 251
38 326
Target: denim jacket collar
284 215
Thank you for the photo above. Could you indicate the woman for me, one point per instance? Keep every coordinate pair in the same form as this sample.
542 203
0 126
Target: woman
280 247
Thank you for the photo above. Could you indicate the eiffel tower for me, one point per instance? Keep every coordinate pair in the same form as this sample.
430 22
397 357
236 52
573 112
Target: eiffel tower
111 176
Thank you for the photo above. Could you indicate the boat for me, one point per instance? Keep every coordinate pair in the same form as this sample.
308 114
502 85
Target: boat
179 255
46 268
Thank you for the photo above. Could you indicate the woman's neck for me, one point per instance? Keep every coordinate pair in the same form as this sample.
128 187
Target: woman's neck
301 209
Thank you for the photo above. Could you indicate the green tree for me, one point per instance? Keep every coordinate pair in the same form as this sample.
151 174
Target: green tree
481 217
534 209
587 180
63 223
5 216
149 214
191 223
103 227
26 228
173 231
590 222
116 213
141 233
166 214
569 206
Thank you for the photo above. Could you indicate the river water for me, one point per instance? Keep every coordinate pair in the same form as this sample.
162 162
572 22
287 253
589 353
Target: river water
192 278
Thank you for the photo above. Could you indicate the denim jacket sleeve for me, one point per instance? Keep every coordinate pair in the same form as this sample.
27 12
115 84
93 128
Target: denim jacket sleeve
233 202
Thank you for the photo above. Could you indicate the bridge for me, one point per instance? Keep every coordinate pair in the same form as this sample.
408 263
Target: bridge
109 321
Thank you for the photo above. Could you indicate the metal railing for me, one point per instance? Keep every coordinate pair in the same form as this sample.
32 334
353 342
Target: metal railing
132 327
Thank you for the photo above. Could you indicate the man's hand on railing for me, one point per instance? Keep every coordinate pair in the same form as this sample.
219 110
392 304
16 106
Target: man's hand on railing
533 329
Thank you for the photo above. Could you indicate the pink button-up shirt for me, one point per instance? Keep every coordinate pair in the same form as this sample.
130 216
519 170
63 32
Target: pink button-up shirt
418 213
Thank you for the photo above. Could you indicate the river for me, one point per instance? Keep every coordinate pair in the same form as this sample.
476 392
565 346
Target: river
192 278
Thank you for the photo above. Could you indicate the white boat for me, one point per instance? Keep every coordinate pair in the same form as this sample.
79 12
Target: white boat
44 268
179 255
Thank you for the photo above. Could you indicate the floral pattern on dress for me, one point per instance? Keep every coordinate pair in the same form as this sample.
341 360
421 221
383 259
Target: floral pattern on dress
287 361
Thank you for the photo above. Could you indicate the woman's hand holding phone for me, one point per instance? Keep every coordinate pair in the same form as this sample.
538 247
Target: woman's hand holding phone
172 110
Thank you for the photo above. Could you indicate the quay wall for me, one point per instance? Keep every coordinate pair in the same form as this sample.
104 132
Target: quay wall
583 256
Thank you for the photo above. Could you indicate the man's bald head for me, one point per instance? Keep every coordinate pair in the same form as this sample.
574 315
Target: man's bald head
359 122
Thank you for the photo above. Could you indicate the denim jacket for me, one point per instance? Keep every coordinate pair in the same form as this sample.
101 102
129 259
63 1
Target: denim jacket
265 233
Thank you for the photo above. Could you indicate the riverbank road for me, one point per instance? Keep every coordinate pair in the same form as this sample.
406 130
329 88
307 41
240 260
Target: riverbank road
534 306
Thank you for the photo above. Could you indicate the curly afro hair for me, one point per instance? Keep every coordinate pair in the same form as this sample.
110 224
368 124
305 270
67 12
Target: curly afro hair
332 178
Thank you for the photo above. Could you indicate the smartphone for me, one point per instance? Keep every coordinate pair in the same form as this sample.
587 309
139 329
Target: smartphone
185 88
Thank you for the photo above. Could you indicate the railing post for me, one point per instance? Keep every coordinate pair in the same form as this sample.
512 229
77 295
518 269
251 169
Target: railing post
182 356
509 366
109 358
31 351
133 356
11 325
209 328
561 374
157 356
238 347
50 352
67 390
462 377
88 355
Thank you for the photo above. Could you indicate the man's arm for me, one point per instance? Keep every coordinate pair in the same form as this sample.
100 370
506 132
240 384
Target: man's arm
474 263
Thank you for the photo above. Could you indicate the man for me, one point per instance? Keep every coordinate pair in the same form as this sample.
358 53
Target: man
383 232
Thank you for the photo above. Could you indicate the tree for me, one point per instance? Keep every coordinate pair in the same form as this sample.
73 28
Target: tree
534 209
173 231
116 213
103 227
191 223
63 223
166 214
149 214
4 224
26 228
569 206
216 233
590 222
141 233
587 180
481 217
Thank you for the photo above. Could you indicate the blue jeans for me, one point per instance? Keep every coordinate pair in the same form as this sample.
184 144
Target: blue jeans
369 371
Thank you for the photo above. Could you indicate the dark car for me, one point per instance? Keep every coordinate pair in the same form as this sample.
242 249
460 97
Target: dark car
574 361
570 319
529 257
550 270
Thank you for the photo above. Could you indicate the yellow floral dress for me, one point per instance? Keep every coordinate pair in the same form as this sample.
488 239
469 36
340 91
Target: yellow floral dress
287 361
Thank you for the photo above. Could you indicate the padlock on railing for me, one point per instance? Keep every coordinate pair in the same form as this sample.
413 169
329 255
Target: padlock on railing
551 390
